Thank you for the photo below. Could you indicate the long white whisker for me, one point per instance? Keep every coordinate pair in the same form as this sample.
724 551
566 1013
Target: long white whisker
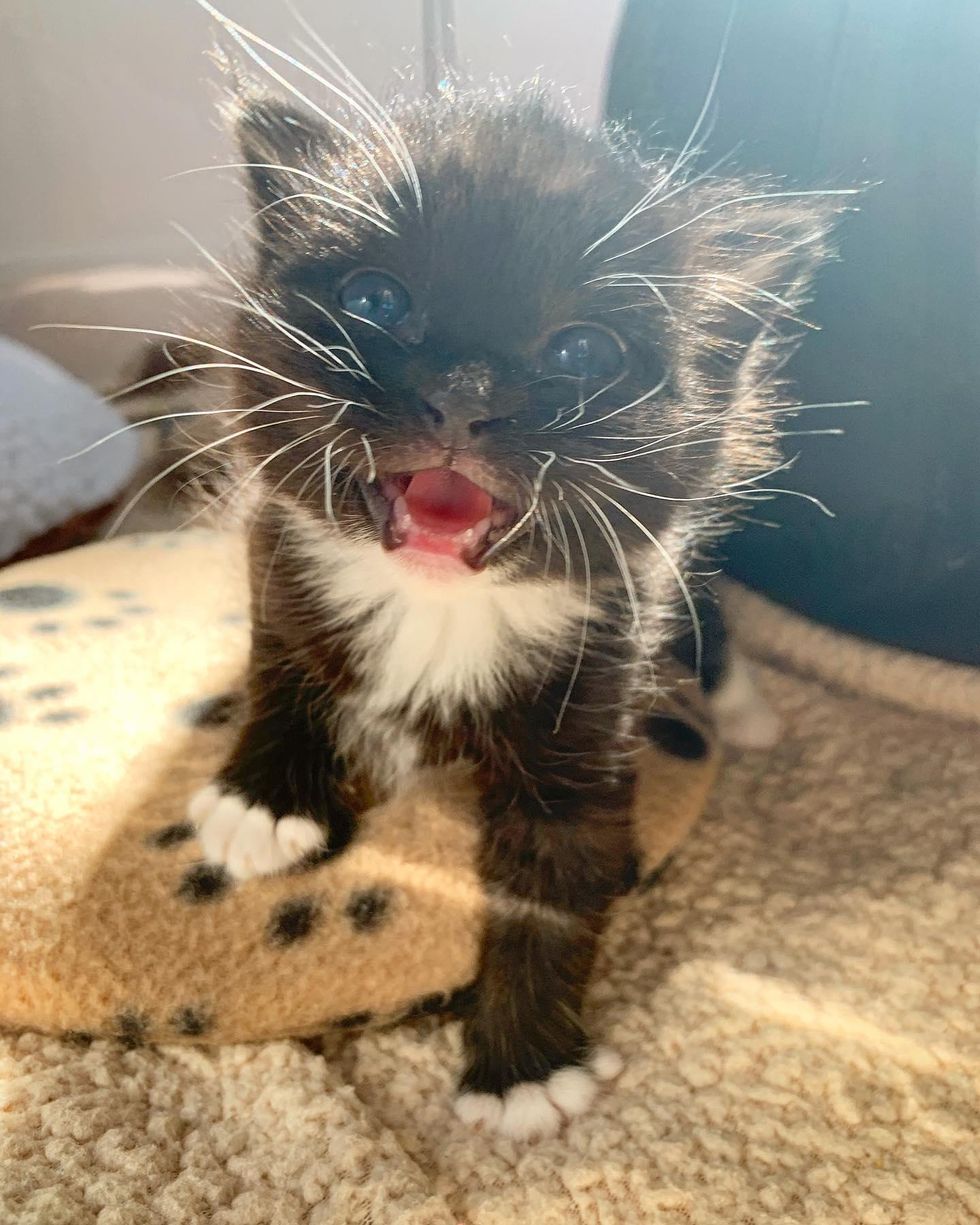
352 348
407 165
601 519
265 425
536 495
579 408
616 480
682 157
211 412
169 374
324 353
387 335
654 198
779 411
647 395
579 412
793 493
754 198
566 555
264 594
687 429
372 467
708 292
556 418
245 37
708 98
105 327
295 172
328 476
625 278
294 442
658 293
380 119
314 458
313 195
231 491
290 331
566 552
583 638
833 431
549 538
619 552
674 569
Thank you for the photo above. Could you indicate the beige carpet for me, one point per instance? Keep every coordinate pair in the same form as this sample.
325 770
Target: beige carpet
797 1002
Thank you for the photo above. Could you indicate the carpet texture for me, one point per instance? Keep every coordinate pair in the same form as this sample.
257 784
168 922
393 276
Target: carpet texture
796 999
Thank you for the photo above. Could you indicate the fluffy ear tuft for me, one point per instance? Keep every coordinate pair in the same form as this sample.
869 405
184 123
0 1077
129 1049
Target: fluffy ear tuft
754 258
277 142
283 149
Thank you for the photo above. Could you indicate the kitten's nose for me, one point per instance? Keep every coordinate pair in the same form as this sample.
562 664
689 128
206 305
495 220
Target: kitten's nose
457 419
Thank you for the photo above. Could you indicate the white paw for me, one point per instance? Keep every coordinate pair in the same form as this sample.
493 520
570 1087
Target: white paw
248 841
742 716
535 1110
298 836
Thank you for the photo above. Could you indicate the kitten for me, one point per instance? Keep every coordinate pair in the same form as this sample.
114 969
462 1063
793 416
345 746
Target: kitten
501 382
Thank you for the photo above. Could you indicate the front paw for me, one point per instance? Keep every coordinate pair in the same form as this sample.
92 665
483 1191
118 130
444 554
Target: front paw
536 1110
246 838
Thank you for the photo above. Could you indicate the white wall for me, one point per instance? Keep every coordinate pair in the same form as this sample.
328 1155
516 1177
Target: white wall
101 100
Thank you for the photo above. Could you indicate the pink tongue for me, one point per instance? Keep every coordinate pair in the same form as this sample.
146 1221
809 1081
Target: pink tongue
441 501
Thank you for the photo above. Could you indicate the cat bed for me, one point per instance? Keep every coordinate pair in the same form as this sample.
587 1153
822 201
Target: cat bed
119 669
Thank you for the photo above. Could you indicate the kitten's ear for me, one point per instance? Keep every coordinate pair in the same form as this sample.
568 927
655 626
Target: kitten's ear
281 147
753 259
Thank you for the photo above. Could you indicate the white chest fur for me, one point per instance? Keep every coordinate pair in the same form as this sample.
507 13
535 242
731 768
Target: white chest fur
432 642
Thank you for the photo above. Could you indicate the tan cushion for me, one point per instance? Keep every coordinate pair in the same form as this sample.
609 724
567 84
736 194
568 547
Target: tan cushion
116 665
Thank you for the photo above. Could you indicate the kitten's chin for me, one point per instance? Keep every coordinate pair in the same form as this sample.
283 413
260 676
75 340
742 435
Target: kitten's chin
437 521
441 567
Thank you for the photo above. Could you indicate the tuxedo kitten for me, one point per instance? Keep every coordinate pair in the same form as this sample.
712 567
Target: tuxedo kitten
500 382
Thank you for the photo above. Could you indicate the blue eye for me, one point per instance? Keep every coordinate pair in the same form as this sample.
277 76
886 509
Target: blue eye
584 352
375 297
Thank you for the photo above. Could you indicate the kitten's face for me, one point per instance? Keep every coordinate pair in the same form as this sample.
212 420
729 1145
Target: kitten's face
495 358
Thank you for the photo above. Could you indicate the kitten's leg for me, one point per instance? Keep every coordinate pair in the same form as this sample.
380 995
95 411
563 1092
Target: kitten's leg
553 862
742 716
275 801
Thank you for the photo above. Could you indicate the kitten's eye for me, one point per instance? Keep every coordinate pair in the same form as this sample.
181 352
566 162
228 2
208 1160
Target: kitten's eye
584 352
375 297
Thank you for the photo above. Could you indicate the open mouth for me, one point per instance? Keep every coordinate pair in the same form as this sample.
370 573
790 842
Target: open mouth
439 517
